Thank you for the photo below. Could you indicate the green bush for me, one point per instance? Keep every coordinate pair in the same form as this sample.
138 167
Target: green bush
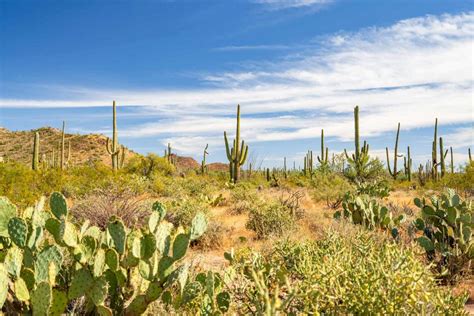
374 188
270 220
242 199
344 273
181 212
329 187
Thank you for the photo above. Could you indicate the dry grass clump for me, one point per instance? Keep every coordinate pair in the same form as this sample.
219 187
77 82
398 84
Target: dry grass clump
101 204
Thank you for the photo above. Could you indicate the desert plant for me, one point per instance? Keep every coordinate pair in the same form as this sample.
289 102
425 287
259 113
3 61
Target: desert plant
330 187
360 159
203 162
323 159
374 188
394 173
366 211
116 152
117 270
447 223
236 155
35 159
271 219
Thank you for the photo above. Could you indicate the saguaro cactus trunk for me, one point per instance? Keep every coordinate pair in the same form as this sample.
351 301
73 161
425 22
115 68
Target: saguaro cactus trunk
62 161
236 155
35 160
116 152
393 173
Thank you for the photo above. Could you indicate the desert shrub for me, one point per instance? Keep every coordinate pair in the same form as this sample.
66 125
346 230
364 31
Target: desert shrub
98 206
213 237
291 200
462 182
352 272
366 211
330 187
271 219
374 169
181 212
242 199
374 188
447 223
148 166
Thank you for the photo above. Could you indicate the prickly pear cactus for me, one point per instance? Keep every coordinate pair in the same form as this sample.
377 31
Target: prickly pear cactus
41 299
58 205
18 231
7 211
117 235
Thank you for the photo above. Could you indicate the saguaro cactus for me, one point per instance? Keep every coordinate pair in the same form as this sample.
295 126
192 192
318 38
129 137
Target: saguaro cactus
442 157
203 162
35 160
434 153
360 157
407 162
62 161
236 155
395 156
469 154
284 168
323 160
452 160
116 152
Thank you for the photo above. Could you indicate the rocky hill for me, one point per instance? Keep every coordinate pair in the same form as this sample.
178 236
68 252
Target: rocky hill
18 146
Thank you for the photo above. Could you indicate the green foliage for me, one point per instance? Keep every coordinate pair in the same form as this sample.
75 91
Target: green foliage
344 273
106 270
183 211
149 166
366 211
270 219
378 189
447 223
330 187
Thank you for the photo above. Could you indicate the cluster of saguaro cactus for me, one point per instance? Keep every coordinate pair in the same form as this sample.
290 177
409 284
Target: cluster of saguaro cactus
169 156
394 173
237 154
203 162
323 159
407 163
116 151
49 262
360 157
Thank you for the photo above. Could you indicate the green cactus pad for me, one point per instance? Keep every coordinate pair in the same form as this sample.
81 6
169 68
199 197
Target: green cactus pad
85 252
153 292
28 276
58 303
41 299
48 254
117 235
18 231
58 205
198 226
98 291
160 209
165 267
36 237
163 239
104 311
112 259
3 284
223 301
13 261
99 263
180 246
53 226
68 233
145 270
80 283
147 246
191 291
21 290
425 243
7 211
137 307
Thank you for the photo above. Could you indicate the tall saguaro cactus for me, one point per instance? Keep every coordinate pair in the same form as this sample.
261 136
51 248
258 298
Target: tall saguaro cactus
323 160
442 157
469 154
236 155
395 156
35 160
407 162
452 160
62 161
203 162
434 153
360 157
116 152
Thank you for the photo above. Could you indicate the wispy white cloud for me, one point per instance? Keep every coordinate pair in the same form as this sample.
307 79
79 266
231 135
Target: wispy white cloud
285 4
410 72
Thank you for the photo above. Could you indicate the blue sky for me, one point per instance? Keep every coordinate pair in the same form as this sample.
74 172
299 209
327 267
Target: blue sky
177 69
